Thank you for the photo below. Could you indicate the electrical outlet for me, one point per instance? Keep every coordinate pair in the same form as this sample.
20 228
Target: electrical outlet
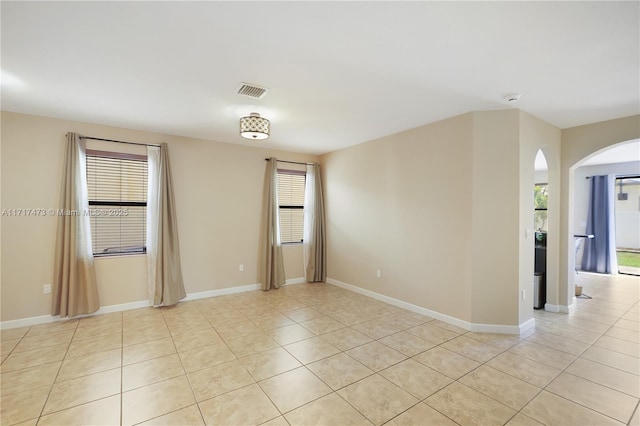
378 273
241 268
47 288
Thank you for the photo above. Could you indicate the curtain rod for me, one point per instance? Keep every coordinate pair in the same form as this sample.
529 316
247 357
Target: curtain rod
620 177
112 140
290 162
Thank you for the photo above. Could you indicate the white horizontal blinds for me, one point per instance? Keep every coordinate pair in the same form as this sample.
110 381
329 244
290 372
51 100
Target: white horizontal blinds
291 201
117 186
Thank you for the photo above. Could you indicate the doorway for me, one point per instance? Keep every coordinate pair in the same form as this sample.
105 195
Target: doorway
627 217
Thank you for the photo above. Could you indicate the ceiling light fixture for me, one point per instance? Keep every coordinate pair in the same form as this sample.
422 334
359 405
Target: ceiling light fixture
254 127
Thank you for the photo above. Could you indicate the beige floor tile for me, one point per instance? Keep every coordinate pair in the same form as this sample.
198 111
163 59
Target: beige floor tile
145 351
598 398
522 420
28 378
206 356
618 360
53 327
575 333
346 338
493 384
237 330
23 406
548 408
624 334
446 362
629 325
376 328
269 363
289 334
377 399
447 326
635 420
421 414
185 341
101 412
293 389
96 330
8 345
472 349
560 343
32 358
328 410
499 340
245 406
188 416
156 400
80 348
220 318
322 325
469 407
219 379
85 389
415 378
432 333
376 356
524 369
607 376
339 370
618 345
13 333
304 314
311 350
90 364
154 370
543 354
92 320
401 321
272 320
347 317
145 334
251 344
38 341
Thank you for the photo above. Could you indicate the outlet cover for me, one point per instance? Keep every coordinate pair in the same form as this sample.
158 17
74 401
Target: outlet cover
47 288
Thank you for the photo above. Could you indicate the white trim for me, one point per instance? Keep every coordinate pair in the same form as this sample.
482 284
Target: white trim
44 319
221 292
300 280
551 308
484 328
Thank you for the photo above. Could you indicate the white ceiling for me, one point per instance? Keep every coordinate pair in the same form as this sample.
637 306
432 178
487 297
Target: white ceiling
339 73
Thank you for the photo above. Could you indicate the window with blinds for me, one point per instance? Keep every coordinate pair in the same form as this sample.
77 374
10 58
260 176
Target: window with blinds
117 186
291 202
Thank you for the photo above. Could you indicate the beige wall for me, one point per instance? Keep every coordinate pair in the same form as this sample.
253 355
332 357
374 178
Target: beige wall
218 189
578 143
401 204
442 210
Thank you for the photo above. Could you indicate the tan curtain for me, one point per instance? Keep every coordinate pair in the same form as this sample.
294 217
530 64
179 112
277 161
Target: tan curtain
164 273
272 263
74 279
314 241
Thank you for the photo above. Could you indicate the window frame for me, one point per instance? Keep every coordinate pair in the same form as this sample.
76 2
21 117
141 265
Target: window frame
292 206
96 204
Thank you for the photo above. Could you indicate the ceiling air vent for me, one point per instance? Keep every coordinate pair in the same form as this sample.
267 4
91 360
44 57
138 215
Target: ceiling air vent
251 90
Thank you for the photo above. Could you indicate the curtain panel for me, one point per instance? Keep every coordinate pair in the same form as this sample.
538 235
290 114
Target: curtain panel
74 289
164 272
271 254
314 240
600 251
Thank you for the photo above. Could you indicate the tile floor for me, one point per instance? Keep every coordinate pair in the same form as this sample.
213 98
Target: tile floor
318 354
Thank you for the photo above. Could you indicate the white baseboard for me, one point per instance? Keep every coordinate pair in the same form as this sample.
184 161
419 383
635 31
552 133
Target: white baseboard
44 319
484 328
565 309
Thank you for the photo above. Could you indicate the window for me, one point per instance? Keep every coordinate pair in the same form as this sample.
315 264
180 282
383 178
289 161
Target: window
117 186
541 199
291 202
